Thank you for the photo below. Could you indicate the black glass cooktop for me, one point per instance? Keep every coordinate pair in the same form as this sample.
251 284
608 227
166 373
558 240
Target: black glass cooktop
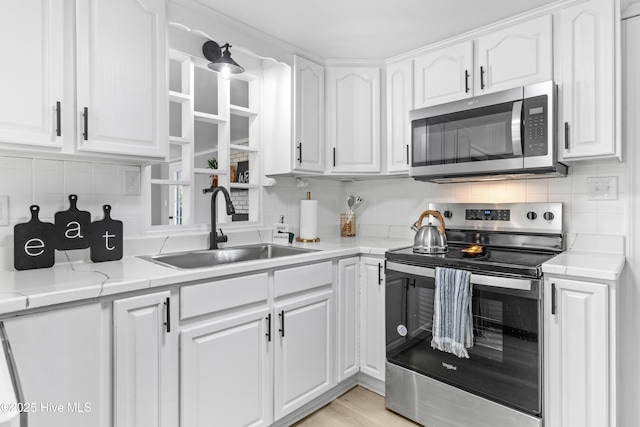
491 260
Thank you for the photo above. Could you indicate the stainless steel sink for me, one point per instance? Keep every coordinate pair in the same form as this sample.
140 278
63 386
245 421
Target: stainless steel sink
211 258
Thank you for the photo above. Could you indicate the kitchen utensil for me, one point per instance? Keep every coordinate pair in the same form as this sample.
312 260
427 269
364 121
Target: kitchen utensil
358 202
473 250
106 238
33 243
430 239
350 201
72 227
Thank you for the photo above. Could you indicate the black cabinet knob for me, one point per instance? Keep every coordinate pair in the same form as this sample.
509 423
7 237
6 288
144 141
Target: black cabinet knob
548 216
532 215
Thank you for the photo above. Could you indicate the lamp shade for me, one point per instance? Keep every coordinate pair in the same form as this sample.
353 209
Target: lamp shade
220 60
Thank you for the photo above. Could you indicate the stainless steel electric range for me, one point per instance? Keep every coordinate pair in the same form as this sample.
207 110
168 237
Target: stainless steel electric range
500 384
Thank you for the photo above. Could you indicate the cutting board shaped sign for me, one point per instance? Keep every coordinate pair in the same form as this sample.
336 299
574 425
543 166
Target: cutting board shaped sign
33 243
72 227
106 238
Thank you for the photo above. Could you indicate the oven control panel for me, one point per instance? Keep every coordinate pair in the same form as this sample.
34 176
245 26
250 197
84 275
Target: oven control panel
488 214
534 217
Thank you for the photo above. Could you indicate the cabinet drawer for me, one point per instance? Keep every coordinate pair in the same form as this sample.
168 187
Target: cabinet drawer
302 278
204 298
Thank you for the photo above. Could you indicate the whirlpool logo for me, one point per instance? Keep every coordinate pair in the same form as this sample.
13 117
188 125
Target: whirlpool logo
449 367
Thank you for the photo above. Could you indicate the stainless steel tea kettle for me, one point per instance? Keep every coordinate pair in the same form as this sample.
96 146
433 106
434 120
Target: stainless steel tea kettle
429 239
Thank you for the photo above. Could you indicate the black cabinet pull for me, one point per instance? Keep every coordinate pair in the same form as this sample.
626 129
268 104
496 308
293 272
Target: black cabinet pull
566 135
58 120
553 298
407 153
334 157
281 330
379 273
466 81
167 305
300 152
268 334
481 77
85 134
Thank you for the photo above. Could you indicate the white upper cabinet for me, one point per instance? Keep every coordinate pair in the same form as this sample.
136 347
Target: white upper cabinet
515 56
122 77
353 119
444 75
586 56
31 77
399 103
308 86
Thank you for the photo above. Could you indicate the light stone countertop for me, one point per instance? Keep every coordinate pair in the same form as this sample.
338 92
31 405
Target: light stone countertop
81 280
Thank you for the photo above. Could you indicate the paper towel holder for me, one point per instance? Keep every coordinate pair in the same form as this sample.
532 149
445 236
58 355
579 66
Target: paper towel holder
298 239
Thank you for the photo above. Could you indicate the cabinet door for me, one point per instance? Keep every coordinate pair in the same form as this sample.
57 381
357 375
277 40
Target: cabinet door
309 115
31 41
226 372
145 362
530 42
121 76
399 103
372 340
577 344
303 351
587 83
354 119
444 75
348 290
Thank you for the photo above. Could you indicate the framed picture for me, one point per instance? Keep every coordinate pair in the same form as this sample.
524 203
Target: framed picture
242 173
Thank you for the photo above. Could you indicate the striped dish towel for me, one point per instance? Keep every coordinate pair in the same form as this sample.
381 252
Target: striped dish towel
452 317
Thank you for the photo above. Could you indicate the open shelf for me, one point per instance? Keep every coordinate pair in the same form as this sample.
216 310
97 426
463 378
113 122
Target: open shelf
208 118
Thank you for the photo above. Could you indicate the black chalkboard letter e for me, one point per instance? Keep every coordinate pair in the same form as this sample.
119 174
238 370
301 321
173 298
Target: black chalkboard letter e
33 243
106 238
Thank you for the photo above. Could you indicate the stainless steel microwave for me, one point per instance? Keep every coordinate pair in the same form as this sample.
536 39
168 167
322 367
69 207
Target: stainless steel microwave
503 135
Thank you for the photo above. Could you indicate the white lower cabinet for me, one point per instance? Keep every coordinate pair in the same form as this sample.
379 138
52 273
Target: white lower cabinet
347 304
579 353
226 371
303 351
372 328
145 361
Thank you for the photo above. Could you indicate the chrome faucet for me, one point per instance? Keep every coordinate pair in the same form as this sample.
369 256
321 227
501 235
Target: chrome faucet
214 239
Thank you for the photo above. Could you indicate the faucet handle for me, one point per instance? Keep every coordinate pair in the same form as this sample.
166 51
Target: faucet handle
222 238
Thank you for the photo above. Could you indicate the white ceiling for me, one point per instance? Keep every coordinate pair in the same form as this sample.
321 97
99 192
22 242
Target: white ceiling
367 29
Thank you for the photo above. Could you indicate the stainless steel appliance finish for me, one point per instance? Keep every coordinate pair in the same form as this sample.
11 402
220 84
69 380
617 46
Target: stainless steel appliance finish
501 381
504 135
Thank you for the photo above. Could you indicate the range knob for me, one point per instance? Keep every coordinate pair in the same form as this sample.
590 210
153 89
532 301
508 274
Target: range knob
548 216
448 214
532 215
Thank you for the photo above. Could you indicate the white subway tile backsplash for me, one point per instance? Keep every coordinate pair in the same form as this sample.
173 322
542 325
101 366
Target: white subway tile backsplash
78 178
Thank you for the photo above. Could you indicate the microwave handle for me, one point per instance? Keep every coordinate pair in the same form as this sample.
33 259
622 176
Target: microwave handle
516 126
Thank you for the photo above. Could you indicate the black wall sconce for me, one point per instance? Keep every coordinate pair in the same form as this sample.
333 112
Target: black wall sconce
221 61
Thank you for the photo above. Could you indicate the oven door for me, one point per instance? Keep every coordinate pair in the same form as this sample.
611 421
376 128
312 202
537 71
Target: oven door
504 364
481 135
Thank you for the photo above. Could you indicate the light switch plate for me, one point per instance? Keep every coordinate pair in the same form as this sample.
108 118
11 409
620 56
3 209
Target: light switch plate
4 210
602 188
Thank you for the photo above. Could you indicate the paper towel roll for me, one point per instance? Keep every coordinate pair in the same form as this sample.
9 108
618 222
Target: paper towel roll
308 219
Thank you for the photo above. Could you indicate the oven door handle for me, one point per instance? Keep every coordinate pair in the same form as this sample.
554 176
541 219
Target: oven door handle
516 128
475 279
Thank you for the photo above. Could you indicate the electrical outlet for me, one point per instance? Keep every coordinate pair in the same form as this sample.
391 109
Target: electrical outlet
602 188
132 181
4 210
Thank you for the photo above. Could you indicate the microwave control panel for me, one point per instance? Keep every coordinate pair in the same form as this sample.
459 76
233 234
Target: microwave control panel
535 126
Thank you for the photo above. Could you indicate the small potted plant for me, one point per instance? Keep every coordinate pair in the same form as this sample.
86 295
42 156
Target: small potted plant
212 163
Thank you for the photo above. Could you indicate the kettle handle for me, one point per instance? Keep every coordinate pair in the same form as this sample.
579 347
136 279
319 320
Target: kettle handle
436 214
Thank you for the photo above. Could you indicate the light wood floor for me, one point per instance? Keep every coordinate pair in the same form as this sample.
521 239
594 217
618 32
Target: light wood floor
357 407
